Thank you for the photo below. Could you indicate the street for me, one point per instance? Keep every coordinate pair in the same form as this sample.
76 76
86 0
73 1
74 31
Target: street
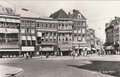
91 66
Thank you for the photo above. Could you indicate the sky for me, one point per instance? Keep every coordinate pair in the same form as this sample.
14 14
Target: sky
97 12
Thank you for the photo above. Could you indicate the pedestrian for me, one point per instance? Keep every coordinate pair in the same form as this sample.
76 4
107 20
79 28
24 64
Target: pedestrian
27 55
47 55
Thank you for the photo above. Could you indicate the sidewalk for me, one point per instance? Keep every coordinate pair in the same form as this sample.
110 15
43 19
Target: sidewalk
6 71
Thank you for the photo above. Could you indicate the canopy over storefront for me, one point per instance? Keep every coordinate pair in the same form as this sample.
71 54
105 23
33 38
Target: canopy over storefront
109 48
12 30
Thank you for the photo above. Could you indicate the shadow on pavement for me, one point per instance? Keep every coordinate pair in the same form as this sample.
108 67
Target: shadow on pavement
104 67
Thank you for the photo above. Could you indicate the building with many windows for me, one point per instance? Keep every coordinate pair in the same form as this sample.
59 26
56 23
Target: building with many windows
90 38
79 30
46 34
57 34
28 35
65 31
9 32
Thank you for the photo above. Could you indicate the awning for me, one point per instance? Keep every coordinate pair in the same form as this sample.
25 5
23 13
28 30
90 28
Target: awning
2 20
109 48
12 20
33 38
39 34
23 37
12 50
12 31
28 38
8 20
93 49
2 30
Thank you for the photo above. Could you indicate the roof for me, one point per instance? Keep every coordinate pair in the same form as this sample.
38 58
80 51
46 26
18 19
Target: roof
75 14
59 14
6 10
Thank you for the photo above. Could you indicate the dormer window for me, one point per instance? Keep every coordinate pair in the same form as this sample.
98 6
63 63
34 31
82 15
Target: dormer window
79 16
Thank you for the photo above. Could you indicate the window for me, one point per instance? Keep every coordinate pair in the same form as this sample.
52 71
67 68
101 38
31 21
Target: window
27 23
33 43
79 16
28 43
50 34
22 30
46 26
32 30
83 30
32 23
23 23
23 43
50 25
39 40
79 37
28 30
43 34
37 24
83 23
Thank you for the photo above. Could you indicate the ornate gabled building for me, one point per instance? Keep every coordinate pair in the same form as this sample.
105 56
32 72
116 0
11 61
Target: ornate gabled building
79 30
65 31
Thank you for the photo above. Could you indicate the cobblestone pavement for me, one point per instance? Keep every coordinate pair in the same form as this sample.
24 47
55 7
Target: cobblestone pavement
54 66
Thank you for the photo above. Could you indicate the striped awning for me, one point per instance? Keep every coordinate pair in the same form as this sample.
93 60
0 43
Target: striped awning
33 38
28 37
23 37
39 34
10 50
12 31
2 20
12 20
2 30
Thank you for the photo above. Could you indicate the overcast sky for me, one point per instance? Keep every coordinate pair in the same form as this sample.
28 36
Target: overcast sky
97 12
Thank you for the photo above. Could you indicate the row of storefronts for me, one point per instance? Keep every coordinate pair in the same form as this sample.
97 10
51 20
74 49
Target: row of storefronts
56 35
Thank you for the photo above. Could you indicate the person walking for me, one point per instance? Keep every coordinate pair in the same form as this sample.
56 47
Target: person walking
73 53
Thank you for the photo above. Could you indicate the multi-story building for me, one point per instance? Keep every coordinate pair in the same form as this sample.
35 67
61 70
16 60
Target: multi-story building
65 31
90 38
109 30
9 32
79 30
46 34
116 29
28 35
58 33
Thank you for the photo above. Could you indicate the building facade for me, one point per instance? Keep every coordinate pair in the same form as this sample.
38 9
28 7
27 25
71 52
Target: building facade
9 32
79 30
28 35
57 34
90 38
65 32
46 34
